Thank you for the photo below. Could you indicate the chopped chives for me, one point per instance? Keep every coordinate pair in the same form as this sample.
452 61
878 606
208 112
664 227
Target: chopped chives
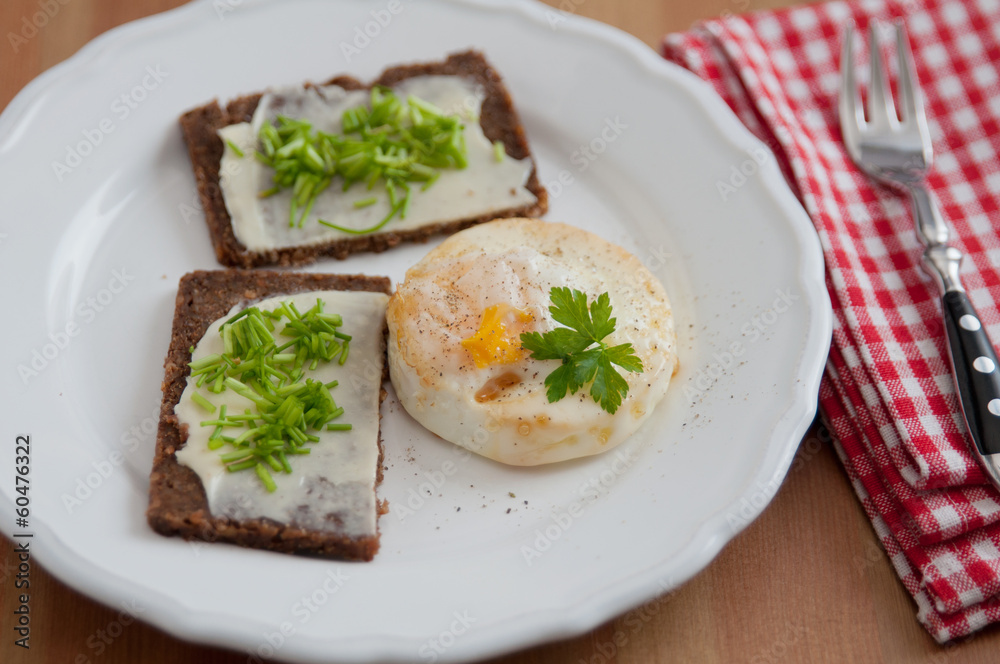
498 151
275 464
236 455
363 231
237 316
235 148
205 363
396 142
287 404
203 402
365 202
266 478
246 392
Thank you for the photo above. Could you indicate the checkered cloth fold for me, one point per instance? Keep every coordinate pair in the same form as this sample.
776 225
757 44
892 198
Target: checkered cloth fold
888 395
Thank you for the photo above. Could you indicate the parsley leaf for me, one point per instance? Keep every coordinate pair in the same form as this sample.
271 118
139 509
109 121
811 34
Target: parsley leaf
582 362
624 357
609 387
557 382
556 344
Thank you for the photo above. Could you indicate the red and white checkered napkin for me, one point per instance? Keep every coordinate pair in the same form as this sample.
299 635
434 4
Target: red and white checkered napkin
888 394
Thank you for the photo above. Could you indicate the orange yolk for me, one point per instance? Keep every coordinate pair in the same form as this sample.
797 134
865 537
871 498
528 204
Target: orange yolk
498 340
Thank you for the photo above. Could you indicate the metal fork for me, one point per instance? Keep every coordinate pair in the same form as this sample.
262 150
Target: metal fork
897 151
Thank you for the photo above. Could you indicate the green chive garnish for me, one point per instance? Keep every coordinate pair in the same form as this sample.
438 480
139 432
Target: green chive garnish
204 363
203 402
338 427
238 455
288 406
498 151
236 150
266 478
386 140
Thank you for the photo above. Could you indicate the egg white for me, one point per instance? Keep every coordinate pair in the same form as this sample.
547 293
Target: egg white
516 262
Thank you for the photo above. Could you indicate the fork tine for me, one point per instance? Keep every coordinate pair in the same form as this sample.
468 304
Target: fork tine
881 112
852 114
911 106
911 103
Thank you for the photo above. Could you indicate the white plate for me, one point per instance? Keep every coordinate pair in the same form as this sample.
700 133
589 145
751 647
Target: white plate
640 147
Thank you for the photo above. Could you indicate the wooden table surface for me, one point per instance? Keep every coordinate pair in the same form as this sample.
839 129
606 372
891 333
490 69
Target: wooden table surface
806 582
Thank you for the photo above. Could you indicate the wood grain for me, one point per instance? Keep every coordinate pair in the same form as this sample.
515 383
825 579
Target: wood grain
806 582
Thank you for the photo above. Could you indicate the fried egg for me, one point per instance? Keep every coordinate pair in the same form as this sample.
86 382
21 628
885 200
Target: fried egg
455 356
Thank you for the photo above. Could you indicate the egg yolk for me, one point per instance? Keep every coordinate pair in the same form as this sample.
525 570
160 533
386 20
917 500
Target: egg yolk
498 339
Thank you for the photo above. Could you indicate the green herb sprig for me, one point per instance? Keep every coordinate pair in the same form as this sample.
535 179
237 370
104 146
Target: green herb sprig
573 345
388 140
288 407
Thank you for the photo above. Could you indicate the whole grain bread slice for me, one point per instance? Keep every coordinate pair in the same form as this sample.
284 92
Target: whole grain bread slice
498 119
177 501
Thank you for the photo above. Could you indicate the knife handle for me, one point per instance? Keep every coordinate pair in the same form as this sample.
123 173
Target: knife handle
977 373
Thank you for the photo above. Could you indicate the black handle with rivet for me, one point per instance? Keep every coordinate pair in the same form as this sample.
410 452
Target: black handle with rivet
977 373
973 360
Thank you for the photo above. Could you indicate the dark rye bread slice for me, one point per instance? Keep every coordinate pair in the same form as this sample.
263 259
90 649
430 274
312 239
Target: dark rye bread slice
498 119
177 501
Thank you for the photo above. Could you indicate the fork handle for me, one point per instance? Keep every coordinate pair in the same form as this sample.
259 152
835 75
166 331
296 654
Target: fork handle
973 360
977 371
931 227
